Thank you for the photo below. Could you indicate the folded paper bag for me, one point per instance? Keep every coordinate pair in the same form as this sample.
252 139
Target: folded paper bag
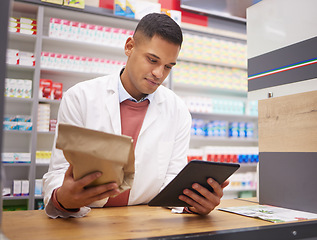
90 151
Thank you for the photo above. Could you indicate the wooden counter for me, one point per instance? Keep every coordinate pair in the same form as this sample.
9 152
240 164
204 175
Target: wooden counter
124 223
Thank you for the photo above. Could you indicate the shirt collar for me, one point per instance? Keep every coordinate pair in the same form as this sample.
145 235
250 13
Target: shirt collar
124 95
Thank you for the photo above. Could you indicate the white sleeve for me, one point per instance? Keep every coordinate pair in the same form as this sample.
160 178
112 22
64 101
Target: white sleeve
53 212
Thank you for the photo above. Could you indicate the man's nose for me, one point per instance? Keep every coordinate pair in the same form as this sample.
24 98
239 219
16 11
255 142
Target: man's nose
158 72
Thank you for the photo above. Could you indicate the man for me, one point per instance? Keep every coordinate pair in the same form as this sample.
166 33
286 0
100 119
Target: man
131 102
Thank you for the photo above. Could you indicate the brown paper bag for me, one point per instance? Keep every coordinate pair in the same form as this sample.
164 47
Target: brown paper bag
89 151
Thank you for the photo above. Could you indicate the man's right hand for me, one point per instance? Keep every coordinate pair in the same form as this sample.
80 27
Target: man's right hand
73 194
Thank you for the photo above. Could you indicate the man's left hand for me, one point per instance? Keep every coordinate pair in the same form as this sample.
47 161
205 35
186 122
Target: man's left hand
204 205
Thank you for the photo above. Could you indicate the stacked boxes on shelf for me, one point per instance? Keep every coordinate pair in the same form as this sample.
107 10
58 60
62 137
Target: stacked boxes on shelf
199 104
19 88
20 187
17 57
23 25
241 155
16 157
224 129
214 50
79 63
43 157
43 117
78 31
17 122
213 76
50 90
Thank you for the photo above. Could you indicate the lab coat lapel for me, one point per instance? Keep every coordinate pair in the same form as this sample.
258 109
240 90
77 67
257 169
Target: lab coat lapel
113 106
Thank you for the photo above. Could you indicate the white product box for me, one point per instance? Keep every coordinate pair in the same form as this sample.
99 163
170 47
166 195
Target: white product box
12 87
7 157
14 24
27 93
27 61
38 187
74 30
12 52
65 29
27 31
25 188
55 27
28 20
6 191
19 88
176 16
17 187
83 32
143 8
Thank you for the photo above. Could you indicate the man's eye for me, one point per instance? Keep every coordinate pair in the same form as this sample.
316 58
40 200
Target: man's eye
152 60
168 67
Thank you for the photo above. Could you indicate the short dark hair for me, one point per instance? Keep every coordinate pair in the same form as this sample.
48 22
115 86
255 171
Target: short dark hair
162 25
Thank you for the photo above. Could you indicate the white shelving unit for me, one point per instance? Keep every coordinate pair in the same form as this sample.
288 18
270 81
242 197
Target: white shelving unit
17 141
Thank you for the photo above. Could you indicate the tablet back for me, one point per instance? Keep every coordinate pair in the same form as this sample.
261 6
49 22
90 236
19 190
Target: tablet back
194 172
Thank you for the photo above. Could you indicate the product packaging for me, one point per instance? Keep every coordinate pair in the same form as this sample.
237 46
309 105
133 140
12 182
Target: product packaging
109 153
25 187
45 88
75 3
57 90
17 187
119 7
143 8
38 187
130 8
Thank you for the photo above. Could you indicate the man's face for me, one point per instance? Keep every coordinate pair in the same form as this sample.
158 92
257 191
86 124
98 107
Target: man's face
149 63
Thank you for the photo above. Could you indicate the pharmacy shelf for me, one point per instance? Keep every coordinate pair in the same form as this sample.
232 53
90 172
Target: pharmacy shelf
16 164
73 73
239 189
15 197
209 90
20 68
248 165
194 60
46 133
26 38
18 100
42 164
87 46
18 132
38 197
51 101
214 141
227 117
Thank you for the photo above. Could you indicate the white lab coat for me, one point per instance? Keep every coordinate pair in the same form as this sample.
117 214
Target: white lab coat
161 149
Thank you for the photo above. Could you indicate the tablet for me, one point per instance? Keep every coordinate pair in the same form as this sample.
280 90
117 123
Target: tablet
196 171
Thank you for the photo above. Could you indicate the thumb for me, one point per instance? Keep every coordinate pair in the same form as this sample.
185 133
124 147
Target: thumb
69 172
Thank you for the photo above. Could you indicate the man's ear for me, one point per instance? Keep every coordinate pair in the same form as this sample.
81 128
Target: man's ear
129 45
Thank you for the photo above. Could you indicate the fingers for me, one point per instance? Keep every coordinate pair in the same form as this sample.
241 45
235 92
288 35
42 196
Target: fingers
204 205
107 190
85 181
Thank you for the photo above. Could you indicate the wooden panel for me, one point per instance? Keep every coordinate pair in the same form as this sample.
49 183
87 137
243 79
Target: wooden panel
288 123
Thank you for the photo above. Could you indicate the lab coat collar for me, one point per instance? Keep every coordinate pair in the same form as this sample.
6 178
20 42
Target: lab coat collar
153 111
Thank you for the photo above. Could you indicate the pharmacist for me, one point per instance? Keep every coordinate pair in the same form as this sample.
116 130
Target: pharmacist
131 102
